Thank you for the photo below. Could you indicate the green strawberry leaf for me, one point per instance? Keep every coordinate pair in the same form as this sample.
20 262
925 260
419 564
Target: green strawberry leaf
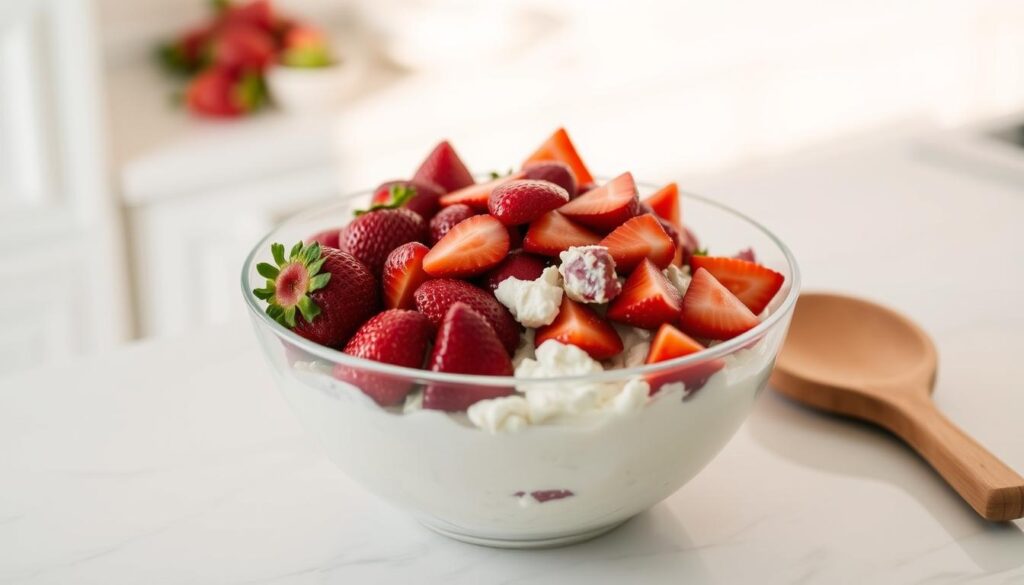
398 196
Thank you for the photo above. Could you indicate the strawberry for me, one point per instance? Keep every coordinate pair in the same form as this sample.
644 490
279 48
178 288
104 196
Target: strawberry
394 337
558 147
578 324
522 201
448 218
220 93
670 343
477 196
518 264
423 199
552 233
328 238
322 294
553 172
305 46
639 238
466 344
435 297
256 13
665 204
373 234
472 247
444 168
647 299
242 47
746 254
753 284
711 311
606 207
403 274
185 55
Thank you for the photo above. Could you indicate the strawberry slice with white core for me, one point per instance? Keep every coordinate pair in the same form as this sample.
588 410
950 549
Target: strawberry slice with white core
647 299
552 234
711 311
665 204
606 207
754 285
472 247
403 273
577 324
476 196
639 238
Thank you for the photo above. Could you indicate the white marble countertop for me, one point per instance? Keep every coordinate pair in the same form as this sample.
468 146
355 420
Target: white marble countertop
178 462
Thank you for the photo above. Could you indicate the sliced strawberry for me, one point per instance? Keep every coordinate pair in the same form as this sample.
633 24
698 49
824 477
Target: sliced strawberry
472 247
477 196
444 168
670 343
606 207
519 264
665 203
466 344
558 147
522 201
753 284
435 297
403 274
394 337
639 238
647 299
552 234
578 324
711 311
448 218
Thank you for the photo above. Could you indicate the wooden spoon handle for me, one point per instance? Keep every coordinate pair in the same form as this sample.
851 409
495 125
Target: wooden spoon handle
994 490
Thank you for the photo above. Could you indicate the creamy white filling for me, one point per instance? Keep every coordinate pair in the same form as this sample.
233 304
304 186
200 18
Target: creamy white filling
679 277
533 303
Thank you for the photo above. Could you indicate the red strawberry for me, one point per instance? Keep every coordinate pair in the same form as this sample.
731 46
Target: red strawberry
515 236
647 299
220 93
466 344
403 274
586 188
665 204
423 199
257 13
522 201
448 218
394 337
184 55
242 47
322 293
472 247
444 168
552 233
553 172
435 297
578 324
711 311
753 284
558 147
670 343
606 207
746 254
374 234
690 244
639 238
519 264
327 238
477 196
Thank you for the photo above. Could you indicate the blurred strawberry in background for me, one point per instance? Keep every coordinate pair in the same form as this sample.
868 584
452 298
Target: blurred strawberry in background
223 93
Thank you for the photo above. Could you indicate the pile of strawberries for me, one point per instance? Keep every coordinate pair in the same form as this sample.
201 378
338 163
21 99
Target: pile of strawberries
225 59
410 281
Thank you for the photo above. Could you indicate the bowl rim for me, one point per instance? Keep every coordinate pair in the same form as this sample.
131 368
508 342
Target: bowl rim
335 356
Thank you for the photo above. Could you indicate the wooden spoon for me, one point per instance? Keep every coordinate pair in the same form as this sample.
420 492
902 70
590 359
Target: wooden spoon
859 359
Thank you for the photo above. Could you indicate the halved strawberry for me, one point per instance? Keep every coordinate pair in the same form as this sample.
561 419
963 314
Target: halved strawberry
578 324
670 343
639 238
753 284
665 203
394 337
711 311
552 233
435 297
476 196
647 299
606 207
522 201
472 247
559 147
403 273
444 168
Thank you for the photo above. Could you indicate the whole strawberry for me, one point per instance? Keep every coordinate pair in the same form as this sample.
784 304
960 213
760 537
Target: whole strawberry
394 337
322 294
373 234
423 199
221 93
435 297
242 47
554 172
448 218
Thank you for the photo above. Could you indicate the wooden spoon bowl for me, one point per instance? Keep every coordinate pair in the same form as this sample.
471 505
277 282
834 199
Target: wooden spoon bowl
859 359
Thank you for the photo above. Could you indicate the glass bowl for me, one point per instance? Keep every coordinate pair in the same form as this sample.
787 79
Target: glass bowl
564 481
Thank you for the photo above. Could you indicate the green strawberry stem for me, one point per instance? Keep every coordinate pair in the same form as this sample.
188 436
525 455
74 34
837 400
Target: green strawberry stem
290 280
398 196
